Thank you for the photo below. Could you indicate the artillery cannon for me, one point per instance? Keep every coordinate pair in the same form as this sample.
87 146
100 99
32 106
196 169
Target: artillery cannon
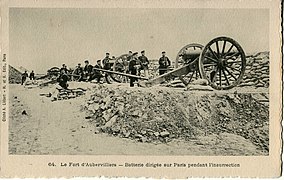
221 62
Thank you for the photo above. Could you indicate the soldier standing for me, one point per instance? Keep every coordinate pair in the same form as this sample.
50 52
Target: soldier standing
164 63
32 75
134 66
88 70
24 77
145 62
106 63
129 56
64 68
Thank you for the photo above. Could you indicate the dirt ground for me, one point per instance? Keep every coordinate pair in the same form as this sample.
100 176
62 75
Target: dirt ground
60 128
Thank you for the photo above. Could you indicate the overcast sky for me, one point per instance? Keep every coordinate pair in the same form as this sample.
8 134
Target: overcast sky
43 38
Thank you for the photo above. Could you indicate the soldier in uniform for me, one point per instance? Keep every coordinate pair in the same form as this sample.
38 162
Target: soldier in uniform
32 77
145 62
106 63
63 77
98 74
164 63
64 68
88 69
129 56
134 66
128 59
80 72
24 77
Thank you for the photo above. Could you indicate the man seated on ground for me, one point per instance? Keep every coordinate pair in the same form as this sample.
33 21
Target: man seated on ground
80 72
88 69
63 77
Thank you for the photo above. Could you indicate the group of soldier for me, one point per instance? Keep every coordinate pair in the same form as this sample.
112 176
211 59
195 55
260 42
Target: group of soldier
25 76
136 64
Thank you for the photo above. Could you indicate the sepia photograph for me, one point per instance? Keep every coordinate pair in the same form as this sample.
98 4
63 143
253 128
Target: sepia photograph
139 82
140 89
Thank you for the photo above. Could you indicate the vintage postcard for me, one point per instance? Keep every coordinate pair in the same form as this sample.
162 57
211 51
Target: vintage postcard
160 89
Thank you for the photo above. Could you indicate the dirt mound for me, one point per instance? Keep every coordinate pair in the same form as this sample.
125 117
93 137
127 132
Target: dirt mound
15 76
160 115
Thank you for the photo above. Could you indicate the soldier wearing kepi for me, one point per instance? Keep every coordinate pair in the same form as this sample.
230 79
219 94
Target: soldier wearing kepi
63 77
106 62
24 77
134 66
164 63
32 76
80 72
88 70
98 74
64 68
129 56
145 62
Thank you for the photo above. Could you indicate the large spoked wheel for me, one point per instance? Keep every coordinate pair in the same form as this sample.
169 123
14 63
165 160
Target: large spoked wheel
189 54
222 62
120 65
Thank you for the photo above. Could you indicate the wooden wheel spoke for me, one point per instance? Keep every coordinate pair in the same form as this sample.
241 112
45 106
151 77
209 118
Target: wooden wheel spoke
220 77
231 74
207 65
191 76
214 77
229 50
235 54
226 77
213 52
214 60
224 46
217 47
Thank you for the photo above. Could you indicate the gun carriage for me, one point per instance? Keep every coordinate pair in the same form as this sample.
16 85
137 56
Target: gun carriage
221 62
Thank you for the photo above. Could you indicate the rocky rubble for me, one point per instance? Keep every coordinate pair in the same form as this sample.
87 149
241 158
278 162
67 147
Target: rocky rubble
257 71
161 114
